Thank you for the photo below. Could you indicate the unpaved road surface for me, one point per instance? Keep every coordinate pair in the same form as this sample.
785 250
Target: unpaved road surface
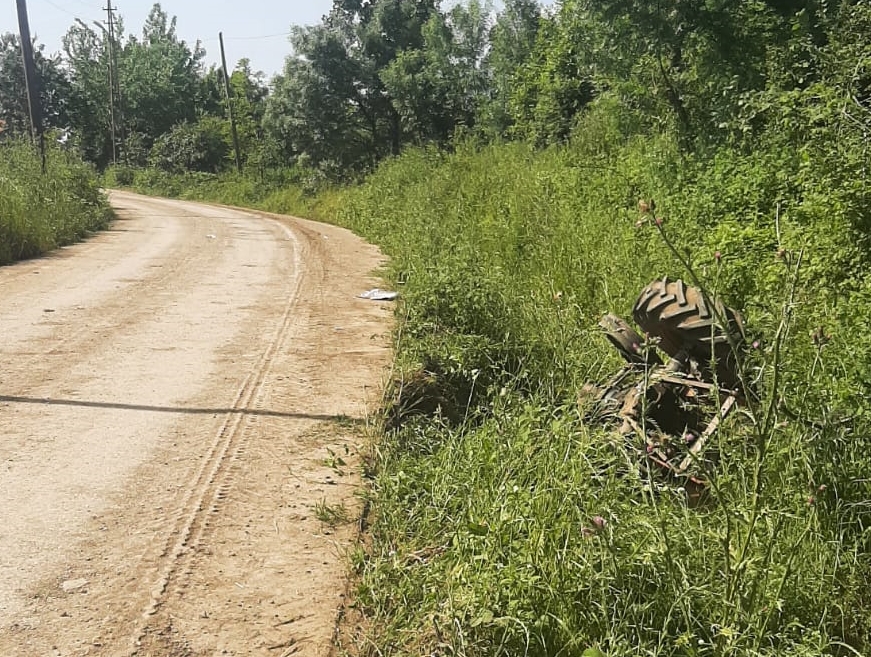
181 401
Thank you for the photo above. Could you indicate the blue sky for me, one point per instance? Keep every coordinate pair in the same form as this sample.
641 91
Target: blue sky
252 28
255 29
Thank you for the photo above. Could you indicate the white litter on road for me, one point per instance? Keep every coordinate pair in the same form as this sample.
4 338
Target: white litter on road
379 295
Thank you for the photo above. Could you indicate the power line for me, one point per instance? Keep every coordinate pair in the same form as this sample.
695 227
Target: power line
59 8
250 38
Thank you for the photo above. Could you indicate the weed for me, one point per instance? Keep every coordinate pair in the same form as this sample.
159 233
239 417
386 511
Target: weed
41 212
332 514
536 536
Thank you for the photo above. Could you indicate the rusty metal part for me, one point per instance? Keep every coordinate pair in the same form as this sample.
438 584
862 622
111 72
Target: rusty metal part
671 406
699 445
627 341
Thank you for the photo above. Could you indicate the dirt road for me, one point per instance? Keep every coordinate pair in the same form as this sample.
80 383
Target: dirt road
180 404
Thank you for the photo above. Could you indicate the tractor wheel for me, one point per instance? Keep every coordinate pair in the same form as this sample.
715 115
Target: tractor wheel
683 321
627 341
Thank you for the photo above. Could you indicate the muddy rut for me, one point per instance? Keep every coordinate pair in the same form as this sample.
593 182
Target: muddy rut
181 403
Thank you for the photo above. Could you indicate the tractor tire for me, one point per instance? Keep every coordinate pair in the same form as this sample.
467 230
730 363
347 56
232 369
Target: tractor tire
685 324
627 341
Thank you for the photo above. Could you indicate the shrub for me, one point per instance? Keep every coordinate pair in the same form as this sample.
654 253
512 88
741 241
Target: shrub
41 212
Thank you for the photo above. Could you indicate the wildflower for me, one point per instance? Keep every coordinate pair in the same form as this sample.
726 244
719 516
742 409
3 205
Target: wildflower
755 344
822 488
811 500
658 221
717 256
598 524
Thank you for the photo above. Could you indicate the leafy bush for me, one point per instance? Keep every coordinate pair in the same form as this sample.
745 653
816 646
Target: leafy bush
119 176
41 212
191 147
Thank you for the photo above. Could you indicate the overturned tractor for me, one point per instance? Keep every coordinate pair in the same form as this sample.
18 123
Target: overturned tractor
668 410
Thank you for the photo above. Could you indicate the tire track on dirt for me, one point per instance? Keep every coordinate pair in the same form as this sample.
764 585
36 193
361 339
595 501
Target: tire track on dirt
162 482
214 475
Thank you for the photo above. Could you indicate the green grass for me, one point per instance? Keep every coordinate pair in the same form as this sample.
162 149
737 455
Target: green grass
502 522
291 191
38 212
509 525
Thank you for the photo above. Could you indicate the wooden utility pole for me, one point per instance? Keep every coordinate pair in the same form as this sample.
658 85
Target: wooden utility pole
230 105
112 113
31 80
115 82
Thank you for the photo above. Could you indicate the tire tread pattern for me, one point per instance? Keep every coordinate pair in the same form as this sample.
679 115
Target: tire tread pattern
679 316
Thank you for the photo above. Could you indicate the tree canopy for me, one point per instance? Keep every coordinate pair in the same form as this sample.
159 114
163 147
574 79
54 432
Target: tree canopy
376 75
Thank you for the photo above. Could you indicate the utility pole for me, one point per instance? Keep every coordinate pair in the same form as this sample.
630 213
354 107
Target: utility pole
230 105
116 123
112 112
115 82
31 80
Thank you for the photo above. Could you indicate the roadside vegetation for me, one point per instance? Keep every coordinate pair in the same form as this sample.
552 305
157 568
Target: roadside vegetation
507 162
41 212
502 521
506 524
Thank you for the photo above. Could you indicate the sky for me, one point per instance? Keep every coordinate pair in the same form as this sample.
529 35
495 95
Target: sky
256 29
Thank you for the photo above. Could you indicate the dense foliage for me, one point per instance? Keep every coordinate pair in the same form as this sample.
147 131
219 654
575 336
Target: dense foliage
507 524
41 212
368 80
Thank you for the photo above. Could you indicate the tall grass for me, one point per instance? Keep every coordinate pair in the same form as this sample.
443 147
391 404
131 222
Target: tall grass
512 526
504 522
41 212
289 191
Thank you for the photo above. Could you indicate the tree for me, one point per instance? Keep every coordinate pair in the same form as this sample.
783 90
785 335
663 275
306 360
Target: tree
160 75
199 146
54 88
87 57
209 99
512 42
249 92
307 117
688 61
331 101
556 82
441 85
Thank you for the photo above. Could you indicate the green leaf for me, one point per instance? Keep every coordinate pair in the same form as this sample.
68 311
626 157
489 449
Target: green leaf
592 652
478 529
